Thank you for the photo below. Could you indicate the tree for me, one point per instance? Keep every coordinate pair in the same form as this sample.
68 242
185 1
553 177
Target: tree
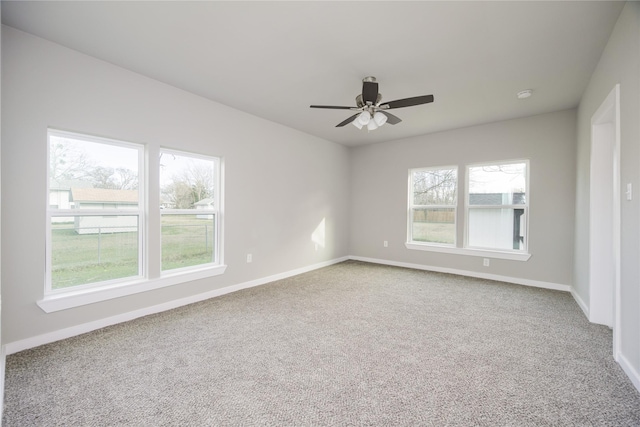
101 177
435 187
192 184
116 179
127 179
179 195
68 162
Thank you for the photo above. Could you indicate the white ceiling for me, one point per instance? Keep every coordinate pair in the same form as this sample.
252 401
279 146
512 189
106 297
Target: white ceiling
274 59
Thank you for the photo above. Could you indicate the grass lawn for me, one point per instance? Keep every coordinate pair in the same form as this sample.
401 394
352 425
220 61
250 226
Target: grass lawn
434 232
89 258
186 241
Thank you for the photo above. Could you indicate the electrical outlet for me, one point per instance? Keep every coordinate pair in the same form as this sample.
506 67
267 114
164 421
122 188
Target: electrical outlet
249 258
386 244
485 262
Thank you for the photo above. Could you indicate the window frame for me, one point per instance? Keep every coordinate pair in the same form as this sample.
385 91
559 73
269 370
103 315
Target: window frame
512 255
216 212
150 277
412 207
468 207
51 213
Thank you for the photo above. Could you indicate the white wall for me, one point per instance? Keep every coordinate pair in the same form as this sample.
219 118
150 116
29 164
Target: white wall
620 63
279 183
379 193
2 350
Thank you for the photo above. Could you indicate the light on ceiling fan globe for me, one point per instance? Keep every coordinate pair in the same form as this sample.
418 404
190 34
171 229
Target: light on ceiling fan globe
372 125
357 123
364 118
379 118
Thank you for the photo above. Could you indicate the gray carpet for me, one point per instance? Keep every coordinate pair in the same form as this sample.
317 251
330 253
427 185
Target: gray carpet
350 344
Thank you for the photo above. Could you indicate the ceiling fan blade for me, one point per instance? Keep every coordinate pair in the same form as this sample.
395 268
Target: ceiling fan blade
349 120
391 119
369 92
408 102
333 107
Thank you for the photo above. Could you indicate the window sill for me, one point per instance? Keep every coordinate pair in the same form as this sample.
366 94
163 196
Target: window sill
486 253
56 302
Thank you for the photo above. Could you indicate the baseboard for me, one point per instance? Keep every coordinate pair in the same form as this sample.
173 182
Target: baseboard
581 304
631 372
25 344
3 364
516 280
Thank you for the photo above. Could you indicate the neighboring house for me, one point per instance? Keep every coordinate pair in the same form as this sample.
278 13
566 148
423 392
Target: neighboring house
204 204
165 203
60 195
497 198
500 227
103 198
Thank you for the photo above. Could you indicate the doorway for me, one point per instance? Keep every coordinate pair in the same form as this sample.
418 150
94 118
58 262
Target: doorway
604 216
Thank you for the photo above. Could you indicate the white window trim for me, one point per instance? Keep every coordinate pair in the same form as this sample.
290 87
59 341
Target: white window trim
411 207
217 212
90 293
137 211
485 253
467 207
513 255
79 297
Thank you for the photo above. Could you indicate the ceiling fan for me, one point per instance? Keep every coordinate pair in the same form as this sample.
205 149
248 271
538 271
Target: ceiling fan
372 112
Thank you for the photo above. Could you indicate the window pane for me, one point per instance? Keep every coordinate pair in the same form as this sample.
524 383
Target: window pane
498 184
187 182
187 240
434 187
90 249
497 228
434 225
91 175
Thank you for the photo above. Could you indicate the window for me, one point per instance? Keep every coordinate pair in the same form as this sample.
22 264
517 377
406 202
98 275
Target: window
497 206
95 217
189 202
432 205
97 245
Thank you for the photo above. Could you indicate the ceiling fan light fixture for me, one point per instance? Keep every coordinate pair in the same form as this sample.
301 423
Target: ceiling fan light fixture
372 125
364 118
379 118
357 123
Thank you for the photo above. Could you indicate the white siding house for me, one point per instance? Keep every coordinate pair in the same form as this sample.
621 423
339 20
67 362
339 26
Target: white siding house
202 205
60 196
497 224
102 198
